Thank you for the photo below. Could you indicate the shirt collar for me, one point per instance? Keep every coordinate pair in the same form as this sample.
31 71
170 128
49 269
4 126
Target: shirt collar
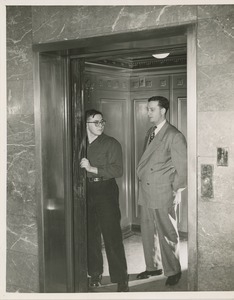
159 126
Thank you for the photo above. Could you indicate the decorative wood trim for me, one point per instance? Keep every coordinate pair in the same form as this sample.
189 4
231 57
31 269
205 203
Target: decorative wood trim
143 63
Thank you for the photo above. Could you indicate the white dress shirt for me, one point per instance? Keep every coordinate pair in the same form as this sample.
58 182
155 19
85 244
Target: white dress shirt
159 126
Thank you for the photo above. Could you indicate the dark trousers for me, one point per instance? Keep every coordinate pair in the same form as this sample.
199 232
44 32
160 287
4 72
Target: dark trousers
104 216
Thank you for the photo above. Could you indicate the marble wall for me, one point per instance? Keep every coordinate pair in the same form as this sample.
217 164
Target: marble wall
215 76
75 22
22 248
215 88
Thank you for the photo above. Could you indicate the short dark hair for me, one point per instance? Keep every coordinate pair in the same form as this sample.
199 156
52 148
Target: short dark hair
162 101
92 113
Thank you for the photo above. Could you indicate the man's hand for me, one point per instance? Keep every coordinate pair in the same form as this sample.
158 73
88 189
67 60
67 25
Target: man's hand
84 163
177 196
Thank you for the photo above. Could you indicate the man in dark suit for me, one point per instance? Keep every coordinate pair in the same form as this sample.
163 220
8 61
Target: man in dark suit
162 173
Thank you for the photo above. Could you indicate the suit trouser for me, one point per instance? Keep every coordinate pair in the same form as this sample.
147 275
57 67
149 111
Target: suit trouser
160 239
104 216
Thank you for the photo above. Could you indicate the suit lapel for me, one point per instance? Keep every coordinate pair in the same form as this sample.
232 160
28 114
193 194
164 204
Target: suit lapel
154 144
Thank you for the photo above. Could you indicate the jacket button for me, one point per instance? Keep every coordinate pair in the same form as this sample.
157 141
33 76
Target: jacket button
151 169
147 183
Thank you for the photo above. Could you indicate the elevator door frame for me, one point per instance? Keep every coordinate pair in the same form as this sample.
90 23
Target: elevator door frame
93 47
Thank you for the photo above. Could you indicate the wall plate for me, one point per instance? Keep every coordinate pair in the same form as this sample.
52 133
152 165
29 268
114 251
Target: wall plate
207 181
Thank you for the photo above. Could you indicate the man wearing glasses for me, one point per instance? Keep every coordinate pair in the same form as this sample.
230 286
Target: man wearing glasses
103 164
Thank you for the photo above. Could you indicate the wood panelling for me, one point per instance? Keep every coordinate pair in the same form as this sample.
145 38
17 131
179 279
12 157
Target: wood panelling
149 83
179 81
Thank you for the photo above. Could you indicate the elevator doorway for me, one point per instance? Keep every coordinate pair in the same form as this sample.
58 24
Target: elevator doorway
66 67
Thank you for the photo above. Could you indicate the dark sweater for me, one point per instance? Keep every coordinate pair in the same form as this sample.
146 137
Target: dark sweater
105 153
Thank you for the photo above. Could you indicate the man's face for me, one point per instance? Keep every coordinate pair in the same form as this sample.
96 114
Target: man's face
94 127
156 114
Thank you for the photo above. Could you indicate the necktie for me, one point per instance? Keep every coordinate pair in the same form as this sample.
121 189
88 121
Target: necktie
152 135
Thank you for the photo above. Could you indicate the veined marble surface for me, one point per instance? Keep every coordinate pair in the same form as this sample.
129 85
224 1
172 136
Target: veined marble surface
58 23
19 43
22 245
22 272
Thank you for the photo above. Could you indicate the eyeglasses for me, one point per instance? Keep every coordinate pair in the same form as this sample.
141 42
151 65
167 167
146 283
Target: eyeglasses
98 123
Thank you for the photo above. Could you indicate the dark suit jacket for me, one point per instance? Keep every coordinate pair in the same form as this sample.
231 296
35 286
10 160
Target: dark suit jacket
162 168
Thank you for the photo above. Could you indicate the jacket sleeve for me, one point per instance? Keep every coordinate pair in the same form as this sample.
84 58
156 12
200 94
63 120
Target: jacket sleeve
114 165
179 160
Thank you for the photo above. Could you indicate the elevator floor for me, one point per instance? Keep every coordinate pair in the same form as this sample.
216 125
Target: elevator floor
135 260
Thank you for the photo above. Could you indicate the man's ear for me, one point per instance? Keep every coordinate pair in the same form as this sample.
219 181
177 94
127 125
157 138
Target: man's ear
163 111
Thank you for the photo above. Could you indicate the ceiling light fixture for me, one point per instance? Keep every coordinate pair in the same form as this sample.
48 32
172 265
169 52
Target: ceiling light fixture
160 55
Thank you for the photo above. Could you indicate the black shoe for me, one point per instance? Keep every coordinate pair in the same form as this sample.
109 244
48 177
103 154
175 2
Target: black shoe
174 279
123 286
147 274
95 281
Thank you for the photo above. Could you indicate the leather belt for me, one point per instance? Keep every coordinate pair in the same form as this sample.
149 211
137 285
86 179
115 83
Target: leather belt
95 179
